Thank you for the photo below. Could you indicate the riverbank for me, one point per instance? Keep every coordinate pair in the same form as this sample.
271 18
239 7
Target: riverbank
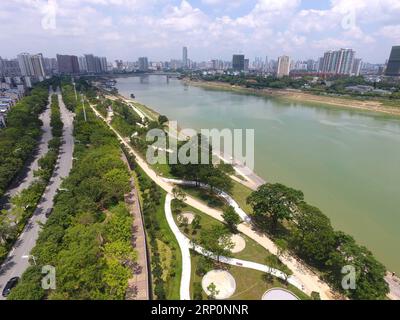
243 174
297 95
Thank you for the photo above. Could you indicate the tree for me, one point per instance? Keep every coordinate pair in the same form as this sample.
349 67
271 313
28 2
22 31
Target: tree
275 202
313 238
217 241
196 224
231 218
369 273
178 194
213 292
162 119
7 229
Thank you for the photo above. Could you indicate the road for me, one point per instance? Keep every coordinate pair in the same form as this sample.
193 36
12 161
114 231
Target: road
28 177
307 278
16 264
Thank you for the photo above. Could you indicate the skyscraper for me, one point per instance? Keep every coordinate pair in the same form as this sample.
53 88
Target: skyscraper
143 64
393 66
38 66
356 67
103 63
25 64
67 64
238 62
82 64
338 62
185 57
283 66
10 68
90 63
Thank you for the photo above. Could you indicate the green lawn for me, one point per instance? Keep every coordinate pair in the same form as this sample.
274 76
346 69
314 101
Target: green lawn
151 114
204 196
240 193
253 251
250 284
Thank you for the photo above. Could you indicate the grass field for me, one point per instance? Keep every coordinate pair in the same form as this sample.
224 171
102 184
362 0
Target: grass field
253 251
240 193
250 284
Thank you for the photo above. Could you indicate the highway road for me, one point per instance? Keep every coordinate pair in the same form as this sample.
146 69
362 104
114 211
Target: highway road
28 177
16 264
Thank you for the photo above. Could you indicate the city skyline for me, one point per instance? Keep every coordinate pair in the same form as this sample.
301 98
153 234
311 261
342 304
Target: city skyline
209 28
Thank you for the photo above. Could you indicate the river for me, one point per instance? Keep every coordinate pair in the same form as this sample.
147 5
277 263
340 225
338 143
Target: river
346 162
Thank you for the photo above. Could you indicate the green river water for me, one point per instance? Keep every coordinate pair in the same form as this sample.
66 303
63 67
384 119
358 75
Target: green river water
346 162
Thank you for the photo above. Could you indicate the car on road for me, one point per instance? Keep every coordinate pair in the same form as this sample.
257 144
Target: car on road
9 286
48 212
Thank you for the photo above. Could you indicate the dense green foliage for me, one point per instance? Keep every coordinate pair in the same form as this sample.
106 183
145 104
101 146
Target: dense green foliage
257 82
55 119
335 86
19 140
214 176
125 119
88 236
24 204
309 234
231 218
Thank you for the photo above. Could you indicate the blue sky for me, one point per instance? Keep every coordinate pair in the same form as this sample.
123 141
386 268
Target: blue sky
211 29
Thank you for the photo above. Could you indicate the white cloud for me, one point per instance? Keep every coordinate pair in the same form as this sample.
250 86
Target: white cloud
136 27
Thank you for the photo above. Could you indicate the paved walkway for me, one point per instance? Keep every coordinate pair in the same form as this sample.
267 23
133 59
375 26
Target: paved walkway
243 215
186 244
139 283
304 274
394 285
17 261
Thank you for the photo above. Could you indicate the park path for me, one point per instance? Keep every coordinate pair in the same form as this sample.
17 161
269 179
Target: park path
308 279
186 245
18 259
139 283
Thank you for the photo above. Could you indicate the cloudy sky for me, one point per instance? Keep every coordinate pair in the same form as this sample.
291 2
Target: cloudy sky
211 29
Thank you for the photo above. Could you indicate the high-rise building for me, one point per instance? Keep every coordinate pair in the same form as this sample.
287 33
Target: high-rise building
67 64
356 67
238 62
38 66
266 64
338 62
143 64
185 57
83 68
90 63
103 64
1 68
393 66
283 66
50 65
10 68
246 64
25 64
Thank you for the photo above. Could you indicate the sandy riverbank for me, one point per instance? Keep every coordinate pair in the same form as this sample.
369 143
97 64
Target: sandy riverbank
296 95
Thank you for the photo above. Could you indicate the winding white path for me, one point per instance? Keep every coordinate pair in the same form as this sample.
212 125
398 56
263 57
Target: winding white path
186 244
243 215
183 244
306 276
